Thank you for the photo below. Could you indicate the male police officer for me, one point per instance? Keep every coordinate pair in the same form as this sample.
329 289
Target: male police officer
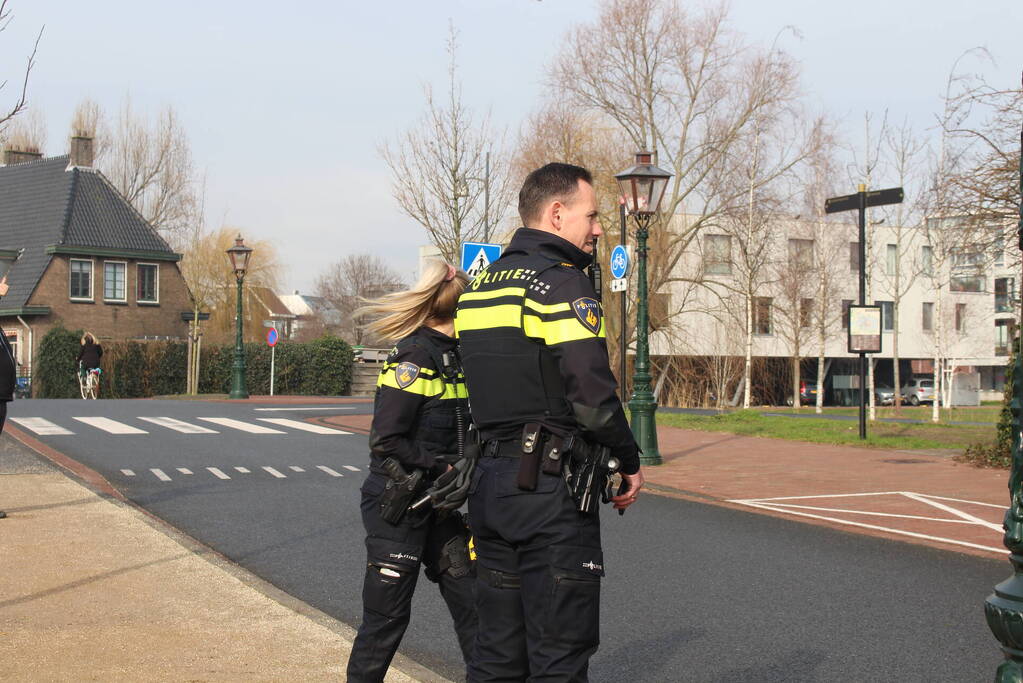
542 395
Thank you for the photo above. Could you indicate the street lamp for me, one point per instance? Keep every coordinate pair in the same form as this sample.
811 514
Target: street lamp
642 188
239 254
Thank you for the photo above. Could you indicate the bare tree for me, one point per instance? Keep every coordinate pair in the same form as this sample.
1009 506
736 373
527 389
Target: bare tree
448 171
149 162
794 285
685 87
26 133
20 97
347 284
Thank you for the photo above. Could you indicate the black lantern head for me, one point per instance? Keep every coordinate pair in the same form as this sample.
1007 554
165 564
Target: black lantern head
239 254
642 186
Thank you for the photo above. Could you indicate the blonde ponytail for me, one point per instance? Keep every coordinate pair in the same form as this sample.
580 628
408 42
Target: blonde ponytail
433 298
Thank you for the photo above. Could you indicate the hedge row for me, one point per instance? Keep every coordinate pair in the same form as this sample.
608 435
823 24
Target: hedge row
131 369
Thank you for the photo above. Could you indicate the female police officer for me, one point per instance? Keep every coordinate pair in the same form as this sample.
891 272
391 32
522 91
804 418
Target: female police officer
412 439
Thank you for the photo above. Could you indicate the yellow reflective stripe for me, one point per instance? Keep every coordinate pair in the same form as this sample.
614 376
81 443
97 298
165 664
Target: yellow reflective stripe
493 294
422 371
421 386
454 391
548 308
560 331
507 315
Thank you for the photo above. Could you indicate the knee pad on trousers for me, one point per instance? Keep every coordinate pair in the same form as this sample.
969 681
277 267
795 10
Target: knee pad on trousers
496 579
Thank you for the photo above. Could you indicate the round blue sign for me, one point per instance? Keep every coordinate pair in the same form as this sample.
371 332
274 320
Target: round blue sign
271 337
619 262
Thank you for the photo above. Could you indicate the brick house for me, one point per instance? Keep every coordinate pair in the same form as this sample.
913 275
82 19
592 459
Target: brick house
90 260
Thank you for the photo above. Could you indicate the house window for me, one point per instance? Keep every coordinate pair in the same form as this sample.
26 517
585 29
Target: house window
854 256
1003 334
762 315
967 258
12 339
148 283
846 303
927 260
81 279
960 317
717 256
805 312
1005 292
114 281
887 315
801 253
891 259
967 283
998 246
927 316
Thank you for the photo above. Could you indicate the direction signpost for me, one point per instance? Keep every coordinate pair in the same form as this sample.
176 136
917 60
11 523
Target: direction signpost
860 201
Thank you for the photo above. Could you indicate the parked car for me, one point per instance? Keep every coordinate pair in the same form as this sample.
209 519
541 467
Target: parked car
918 390
884 395
807 393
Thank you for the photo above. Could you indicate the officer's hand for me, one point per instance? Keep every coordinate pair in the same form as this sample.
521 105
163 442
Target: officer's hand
631 484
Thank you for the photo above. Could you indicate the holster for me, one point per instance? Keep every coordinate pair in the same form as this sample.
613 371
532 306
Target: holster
589 476
399 492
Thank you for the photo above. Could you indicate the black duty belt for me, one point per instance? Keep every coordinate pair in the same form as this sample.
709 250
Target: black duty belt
503 449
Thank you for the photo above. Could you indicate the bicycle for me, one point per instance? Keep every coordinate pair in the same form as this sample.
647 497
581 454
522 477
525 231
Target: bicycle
88 381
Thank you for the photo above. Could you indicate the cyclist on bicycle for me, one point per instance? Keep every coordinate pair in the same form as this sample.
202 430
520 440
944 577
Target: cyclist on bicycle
89 354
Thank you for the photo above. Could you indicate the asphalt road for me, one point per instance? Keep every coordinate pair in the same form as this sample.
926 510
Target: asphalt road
694 592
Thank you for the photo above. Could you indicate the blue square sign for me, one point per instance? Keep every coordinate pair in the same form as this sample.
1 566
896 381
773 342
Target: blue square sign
478 255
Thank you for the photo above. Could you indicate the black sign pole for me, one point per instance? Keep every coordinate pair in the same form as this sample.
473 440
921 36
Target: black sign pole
625 293
862 195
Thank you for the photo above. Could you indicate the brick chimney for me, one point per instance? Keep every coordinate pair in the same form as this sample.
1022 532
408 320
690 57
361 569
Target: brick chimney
18 156
81 151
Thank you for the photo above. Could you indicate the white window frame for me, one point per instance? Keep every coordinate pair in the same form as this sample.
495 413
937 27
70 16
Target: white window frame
111 299
92 280
148 302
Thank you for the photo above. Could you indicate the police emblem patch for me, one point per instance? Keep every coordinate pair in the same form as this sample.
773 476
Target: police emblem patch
588 312
405 374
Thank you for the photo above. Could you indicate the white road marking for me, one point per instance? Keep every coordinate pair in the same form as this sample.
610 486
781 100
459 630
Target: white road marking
971 502
241 426
296 469
316 408
830 495
184 470
217 473
160 474
952 511
352 469
275 472
298 424
128 473
41 426
110 426
329 471
243 470
874 514
178 425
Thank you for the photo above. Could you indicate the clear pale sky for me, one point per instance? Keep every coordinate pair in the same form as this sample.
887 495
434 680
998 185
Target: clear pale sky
286 104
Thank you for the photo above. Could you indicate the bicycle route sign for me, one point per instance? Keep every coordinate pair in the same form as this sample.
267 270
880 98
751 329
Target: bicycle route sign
619 262
271 337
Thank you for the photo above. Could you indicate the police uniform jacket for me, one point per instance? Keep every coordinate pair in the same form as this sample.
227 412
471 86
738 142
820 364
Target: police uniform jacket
532 340
414 418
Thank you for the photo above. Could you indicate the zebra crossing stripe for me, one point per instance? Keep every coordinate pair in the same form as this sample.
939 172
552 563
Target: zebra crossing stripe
296 469
329 471
179 426
217 473
184 470
128 473
160 474
275 472
351 469
298 424
241 426
110 426
41 426
243 470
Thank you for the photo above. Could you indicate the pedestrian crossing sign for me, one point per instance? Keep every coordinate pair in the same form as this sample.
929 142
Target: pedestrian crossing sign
478 255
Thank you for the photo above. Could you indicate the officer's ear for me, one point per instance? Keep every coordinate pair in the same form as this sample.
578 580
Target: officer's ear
554 210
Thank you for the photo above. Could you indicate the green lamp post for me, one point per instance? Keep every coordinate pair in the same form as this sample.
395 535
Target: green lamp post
239 254
1004 607
642 188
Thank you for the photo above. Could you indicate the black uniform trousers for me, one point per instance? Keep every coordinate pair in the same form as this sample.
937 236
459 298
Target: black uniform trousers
539 563
394 555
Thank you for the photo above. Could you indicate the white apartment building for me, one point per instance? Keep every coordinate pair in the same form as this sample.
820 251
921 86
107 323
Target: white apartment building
942 294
